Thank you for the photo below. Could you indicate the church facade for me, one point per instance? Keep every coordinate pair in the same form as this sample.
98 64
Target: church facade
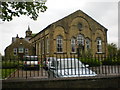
77 30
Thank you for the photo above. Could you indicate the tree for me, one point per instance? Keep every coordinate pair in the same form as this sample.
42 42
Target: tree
118 53
12 9
112 49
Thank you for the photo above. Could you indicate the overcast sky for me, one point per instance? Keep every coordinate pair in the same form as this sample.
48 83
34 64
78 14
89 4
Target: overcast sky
104 12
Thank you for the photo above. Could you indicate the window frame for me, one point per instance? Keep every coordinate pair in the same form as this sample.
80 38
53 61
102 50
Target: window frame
59 44
15 51
26 51
20 50
80 39
99 45
73 45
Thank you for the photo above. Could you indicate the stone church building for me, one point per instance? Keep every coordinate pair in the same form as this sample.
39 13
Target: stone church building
67 34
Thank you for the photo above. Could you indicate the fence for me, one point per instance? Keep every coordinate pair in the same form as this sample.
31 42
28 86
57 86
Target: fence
59 66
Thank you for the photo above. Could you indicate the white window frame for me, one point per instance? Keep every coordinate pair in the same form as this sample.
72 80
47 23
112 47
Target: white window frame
20 50
99 45
73 45
15 51
80 39
59 44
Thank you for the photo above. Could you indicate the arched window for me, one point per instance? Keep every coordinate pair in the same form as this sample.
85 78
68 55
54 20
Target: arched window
87 44
73 45
59 44
99 45
80 39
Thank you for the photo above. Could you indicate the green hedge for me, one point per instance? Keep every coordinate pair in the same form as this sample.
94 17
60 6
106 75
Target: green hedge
91 61
96 62
111 61
6 72
11 64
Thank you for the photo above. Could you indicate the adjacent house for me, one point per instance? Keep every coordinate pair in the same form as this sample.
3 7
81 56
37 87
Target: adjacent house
20 46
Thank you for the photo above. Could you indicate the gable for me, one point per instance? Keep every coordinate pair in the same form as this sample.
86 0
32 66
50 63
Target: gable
68 20
17 43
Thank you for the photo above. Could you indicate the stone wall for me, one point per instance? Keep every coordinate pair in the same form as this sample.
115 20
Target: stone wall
87 82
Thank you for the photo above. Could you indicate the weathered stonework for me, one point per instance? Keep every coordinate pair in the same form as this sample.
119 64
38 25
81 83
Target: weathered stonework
20 42
13 50
68 28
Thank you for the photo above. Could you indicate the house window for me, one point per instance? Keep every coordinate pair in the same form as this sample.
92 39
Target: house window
73 44
99 45
87 44
21 50
47 45
26 51
59 44
80 40
15 51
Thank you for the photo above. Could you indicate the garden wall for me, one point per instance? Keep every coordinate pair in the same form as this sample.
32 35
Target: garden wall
89 82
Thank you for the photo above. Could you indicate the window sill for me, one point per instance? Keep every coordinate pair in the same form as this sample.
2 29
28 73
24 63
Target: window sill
100 53
60 53
73 53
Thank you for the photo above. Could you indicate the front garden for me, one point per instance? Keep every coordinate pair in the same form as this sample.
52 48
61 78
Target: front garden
95 61
6 72
8 67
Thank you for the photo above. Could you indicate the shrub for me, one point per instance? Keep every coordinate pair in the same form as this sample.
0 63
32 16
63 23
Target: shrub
10 64
6 72
111 61
91 61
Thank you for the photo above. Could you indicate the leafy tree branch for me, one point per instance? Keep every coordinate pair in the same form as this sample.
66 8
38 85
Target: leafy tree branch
15 9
